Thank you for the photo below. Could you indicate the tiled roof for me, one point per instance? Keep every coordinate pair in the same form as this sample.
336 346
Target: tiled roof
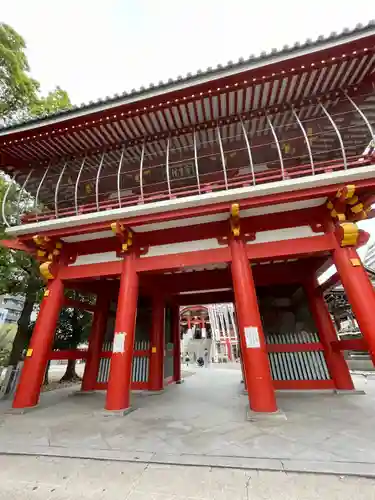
263 57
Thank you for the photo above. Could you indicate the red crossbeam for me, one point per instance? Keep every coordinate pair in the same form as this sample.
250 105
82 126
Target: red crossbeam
315 346
350 345
303 385
69 354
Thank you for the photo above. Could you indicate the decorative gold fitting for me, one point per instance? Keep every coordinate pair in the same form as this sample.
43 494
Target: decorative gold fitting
235 210
357 208
38 240
350 234
350 190
353 200
45 271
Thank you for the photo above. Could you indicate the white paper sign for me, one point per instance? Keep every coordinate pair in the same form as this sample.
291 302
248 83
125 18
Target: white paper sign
252 337
119 342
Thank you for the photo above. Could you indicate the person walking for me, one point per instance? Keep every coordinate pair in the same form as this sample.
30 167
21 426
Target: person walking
206 360
187 360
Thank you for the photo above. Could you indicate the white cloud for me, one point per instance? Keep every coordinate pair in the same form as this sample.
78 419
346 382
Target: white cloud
96 48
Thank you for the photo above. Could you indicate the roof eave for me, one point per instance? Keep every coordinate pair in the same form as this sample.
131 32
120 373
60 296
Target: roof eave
199 79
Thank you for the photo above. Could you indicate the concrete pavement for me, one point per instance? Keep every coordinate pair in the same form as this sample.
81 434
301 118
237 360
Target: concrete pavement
44 478
202 423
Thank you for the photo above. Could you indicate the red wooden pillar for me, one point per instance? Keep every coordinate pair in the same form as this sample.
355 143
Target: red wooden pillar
156 370
120 375
35 364
176 344
337 366
253 346
359 290
98 329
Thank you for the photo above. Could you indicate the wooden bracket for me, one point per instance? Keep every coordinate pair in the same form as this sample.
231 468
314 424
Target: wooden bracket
347 234
235 220
48 252
347 206
124 235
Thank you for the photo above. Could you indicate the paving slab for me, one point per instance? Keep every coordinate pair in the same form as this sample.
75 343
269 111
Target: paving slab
203 423
56 478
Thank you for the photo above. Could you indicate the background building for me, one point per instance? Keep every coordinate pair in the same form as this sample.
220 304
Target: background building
10 308
369 259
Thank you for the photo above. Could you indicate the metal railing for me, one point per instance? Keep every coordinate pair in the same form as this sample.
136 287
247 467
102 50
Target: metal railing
140 366
302 365
261 149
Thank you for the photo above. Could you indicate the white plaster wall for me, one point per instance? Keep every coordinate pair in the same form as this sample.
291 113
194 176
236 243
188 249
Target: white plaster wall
95 258
194 246
288 233
183 247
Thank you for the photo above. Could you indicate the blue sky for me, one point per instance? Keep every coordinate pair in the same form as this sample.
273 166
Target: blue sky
95 48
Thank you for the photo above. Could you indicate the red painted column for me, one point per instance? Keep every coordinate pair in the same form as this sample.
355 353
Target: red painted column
255 358
98 329
35 364
176 344
337 366
359 291
156 370
120 375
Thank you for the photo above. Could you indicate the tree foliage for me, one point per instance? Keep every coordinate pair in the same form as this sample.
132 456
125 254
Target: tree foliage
20 93
19 274
20 99
17 89
74 323
73 329
7 333
54 101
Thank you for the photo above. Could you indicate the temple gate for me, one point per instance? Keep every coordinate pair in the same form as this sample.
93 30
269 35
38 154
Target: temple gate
207 189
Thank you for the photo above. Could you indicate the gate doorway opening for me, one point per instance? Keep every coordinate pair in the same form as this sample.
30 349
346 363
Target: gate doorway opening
295 347
209 332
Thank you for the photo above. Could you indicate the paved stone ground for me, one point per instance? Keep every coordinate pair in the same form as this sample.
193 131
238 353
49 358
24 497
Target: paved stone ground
202 422
46 478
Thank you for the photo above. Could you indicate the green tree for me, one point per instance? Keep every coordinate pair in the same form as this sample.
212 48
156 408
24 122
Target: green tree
54 101
19 93
73 329
17 89
20 99
7 333
19 275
